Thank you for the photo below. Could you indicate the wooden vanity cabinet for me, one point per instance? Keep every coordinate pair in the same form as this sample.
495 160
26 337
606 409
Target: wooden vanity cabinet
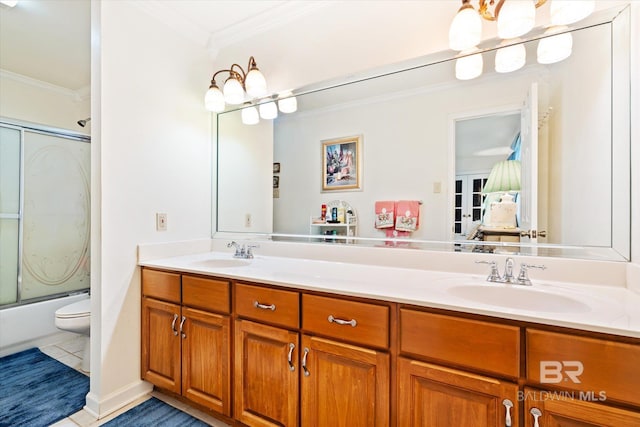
266 381
185 343
575 379
344 384
434 387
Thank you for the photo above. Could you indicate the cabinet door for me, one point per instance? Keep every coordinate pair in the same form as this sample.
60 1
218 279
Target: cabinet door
266 375
161 344
563 409
343 385
206 359
434 396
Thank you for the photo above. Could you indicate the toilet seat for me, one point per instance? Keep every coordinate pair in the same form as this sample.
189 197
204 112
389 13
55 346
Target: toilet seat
75 310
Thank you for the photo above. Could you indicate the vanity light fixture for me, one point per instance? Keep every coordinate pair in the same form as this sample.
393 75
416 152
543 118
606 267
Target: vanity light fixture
268 110
238 86
9 3
250 115
555 48
514 18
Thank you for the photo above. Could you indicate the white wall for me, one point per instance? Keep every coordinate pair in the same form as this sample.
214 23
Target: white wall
151 153
635 137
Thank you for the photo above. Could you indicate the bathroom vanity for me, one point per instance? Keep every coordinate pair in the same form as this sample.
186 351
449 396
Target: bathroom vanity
297 342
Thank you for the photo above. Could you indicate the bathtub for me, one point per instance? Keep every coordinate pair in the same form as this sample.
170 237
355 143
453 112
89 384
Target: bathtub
32 325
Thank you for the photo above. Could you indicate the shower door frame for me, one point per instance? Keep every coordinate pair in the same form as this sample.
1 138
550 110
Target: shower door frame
23 126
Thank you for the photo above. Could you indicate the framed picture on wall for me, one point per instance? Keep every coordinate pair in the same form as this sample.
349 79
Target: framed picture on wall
342 164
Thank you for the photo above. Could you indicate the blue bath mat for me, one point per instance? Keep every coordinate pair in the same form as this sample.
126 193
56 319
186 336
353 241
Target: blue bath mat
36 390
154 413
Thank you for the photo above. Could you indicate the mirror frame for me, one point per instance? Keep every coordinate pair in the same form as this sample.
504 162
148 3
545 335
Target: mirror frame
620 249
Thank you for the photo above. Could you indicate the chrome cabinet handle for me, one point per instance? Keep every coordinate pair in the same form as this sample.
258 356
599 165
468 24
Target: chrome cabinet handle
536 414
271 307
290 356
181 325
507 406
173 324
351 322
304 362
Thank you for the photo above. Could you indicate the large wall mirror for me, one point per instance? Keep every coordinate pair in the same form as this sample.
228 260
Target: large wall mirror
424 136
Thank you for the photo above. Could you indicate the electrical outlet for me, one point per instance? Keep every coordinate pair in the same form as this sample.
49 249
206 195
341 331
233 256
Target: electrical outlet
161 222
247 220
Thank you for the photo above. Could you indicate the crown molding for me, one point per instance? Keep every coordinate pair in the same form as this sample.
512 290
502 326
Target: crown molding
168 16
263 22
214 42
77 95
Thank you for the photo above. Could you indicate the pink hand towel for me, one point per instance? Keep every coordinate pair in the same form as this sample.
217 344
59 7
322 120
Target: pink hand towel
384 214
407 215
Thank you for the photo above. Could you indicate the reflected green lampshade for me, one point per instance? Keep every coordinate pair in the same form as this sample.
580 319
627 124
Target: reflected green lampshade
505 176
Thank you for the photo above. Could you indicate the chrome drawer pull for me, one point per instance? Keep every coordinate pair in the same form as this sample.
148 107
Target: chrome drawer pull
290 356
173 324
507 406
181 325
351 322
271 307
536 414
304 362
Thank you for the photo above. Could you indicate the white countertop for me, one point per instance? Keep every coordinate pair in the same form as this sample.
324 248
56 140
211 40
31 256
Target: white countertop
607 309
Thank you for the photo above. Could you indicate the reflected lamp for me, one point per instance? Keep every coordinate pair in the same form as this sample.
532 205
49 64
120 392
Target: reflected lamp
505 177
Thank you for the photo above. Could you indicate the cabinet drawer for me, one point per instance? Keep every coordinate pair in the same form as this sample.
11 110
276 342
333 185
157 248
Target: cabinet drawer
268 305
369 323
207 294
161 285
484 346
584 364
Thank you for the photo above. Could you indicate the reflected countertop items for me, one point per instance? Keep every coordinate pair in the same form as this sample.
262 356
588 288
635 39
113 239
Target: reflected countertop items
607 309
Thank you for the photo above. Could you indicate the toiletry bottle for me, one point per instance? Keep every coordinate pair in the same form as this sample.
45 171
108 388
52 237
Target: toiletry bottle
341 215
334 214
324 212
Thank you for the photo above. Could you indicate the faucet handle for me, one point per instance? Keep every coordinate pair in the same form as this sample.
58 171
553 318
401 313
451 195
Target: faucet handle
249 253
494 275
523 277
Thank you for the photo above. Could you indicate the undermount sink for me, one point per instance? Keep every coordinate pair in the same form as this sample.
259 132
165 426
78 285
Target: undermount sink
222 263
520 298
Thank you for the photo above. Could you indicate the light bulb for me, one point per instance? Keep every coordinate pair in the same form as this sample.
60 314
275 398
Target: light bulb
255 83
288 105
214 99
516 18
233 92
469 67
268 110
510 58
465 31
250 116
554 48
565 12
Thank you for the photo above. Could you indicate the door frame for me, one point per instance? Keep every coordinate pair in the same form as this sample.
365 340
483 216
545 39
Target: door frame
451 151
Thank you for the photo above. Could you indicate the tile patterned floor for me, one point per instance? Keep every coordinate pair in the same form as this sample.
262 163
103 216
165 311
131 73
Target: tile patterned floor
69 352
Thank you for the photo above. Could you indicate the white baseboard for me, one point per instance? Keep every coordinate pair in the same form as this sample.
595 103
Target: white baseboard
101 408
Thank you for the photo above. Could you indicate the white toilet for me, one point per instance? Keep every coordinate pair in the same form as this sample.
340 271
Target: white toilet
76 317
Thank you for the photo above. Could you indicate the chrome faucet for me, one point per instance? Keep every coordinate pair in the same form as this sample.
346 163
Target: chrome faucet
242 251
508 277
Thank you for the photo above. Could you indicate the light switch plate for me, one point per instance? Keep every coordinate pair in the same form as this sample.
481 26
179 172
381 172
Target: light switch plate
161 222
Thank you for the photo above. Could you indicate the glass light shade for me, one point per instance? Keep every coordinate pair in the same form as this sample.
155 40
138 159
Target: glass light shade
250 116
504 176
465 31
255 83
288 105
565 12
469 67
516 18
268 110
214 100
10 3
233 92
510 58
554 48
